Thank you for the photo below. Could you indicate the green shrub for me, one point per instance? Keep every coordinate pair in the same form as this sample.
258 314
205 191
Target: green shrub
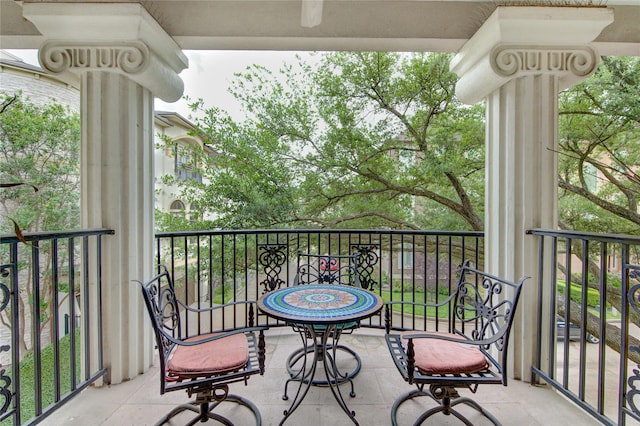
28 379
575 293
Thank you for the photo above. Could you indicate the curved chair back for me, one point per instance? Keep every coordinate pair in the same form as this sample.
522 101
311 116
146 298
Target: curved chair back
160 299
483 312
327 269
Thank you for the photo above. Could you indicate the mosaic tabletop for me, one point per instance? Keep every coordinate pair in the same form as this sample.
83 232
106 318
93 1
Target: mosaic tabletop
320 304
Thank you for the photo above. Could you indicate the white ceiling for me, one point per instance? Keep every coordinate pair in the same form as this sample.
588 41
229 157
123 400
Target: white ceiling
399 25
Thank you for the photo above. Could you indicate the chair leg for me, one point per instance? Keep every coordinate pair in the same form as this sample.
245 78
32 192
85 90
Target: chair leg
446 399
204 411
250 405
189 406
196 408
401 400
446 411
471 403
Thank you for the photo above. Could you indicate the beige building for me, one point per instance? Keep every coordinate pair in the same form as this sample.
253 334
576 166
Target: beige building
42 87
176 161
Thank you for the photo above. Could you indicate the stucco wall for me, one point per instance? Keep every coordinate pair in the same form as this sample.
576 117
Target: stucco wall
38 88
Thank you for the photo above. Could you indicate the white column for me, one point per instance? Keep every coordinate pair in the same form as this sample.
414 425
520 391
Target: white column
521 191
117 192
123 58
517 63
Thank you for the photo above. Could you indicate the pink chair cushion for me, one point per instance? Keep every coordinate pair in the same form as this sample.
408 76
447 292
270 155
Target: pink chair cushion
434 356
211 358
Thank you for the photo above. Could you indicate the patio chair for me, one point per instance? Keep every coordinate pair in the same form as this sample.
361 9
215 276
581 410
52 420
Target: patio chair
204 364
329 270
472 352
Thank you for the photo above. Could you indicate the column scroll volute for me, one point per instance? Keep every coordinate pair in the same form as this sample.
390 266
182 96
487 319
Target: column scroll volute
133 59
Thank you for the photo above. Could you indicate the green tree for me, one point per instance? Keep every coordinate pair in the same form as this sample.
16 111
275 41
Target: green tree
599 156
39 146
242 183
355 140
379 140
599 160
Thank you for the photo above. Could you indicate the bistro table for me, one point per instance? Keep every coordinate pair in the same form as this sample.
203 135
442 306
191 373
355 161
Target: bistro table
317 311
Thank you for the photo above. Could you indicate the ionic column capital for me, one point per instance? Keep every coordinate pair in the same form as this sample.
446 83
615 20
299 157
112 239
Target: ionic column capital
528 41
126 58
131 58
121 38
517 61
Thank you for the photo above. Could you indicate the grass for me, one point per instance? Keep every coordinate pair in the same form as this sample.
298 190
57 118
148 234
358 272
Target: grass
442 312
47 381
218 293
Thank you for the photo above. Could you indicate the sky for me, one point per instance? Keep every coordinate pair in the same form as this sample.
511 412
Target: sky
208 76
211 72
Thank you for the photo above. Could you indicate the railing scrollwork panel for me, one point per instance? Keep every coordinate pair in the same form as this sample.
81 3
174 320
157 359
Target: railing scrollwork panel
7 402
632 395
368 258
271 258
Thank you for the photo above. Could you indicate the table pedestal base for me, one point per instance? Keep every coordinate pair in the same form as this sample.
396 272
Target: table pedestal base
322 352
301 355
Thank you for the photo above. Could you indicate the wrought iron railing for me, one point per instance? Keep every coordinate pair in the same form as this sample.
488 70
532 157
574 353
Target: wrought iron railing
50 290
589 321
221 266
50 311
215 267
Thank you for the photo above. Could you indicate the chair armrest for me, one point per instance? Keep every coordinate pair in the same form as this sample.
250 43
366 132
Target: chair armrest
218 335
450 338
216 307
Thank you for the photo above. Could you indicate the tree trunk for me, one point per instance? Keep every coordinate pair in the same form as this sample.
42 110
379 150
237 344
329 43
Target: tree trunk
613 333
614 296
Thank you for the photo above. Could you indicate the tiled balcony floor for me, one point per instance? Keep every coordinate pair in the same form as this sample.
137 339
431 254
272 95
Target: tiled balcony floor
138 401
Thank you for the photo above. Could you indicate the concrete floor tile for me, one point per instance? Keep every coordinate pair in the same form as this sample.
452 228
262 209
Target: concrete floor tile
139 402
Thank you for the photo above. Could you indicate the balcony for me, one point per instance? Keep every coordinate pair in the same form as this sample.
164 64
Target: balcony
576 381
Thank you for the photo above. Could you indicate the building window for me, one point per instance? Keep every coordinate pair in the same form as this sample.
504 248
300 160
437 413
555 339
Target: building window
591 177
177 208
185 168
194 216
405 257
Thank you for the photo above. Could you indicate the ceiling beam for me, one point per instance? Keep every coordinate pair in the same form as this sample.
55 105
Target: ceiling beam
311 13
